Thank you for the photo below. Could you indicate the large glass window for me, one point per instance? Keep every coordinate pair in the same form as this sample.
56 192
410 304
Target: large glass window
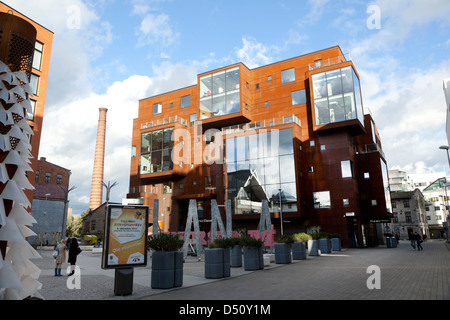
337 96
261 167
288 75
347 169
185 101
298 97
156 151
219 93
322 199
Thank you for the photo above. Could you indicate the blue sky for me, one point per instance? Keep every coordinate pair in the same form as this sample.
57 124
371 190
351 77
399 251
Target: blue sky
111 53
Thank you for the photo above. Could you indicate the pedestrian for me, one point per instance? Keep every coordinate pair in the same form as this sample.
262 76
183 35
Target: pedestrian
413 241
60 257
418 239
74 251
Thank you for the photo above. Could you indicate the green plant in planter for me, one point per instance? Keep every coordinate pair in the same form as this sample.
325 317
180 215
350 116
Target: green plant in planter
248 241
165 242
302 237
221 243
285 238
316 235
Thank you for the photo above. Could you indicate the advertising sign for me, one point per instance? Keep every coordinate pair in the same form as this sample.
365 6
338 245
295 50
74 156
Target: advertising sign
125 242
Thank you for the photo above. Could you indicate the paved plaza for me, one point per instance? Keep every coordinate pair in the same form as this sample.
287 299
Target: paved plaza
392 273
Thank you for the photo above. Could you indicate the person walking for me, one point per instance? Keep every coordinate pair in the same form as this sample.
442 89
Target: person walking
61 256
74 251
418 239
413 241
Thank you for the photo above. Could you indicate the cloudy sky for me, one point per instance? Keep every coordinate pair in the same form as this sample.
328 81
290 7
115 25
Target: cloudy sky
112 53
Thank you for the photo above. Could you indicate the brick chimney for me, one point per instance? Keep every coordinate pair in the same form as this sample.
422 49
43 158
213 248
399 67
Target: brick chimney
99 160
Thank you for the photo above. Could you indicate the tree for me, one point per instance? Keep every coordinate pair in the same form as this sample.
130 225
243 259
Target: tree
74 225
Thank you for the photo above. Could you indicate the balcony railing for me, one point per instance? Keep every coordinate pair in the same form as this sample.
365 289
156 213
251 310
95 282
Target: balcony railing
160 122
329 62
261 124
369 148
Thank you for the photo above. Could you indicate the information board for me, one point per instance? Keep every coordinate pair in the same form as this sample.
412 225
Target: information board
126 228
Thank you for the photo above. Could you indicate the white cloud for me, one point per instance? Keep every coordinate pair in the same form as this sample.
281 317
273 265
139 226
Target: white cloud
156 29
253 53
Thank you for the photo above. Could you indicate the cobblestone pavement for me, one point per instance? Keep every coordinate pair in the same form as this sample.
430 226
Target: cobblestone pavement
404 274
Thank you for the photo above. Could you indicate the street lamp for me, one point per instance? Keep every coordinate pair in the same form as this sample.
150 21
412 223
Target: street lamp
281 212
446 148
66 196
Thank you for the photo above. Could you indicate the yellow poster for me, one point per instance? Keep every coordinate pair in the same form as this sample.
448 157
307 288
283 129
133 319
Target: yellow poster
126 236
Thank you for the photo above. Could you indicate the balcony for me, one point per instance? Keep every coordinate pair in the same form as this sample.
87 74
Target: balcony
266 123
161 122
329 62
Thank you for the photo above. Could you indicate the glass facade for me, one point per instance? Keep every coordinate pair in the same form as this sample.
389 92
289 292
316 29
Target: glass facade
337 96
261 167
220 93
156 151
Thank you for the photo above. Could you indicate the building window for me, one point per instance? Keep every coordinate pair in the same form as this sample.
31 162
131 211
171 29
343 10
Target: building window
219 93
337 96
36 179
266 103
133 151
47 177
38 48
310 169
322 147
192 119
394 218
288 75
405 203
34 83
408 217
269 78
322 199
157 108
298 97
312 143
259 165
186 101
347 169
58 179
30 115
394 205
156 150
366 175
374 203
167 187
171 104
345 202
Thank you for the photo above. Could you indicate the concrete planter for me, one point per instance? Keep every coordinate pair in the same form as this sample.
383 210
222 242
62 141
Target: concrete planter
283 253
253 258
236 257
336 244
167 269
217 263
298 250
313 248
325 245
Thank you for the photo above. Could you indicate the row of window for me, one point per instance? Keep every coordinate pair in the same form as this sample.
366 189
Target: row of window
185 102
322 200
48 177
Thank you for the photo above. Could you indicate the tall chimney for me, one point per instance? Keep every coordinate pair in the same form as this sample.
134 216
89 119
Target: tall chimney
99 160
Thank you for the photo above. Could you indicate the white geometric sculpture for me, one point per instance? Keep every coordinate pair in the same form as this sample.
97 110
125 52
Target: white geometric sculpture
18 276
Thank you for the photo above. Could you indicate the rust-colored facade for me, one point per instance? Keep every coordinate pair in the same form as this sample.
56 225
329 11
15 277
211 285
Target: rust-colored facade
292 133
38 81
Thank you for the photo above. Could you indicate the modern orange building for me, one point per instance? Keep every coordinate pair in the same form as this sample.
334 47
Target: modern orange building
38 82
293 133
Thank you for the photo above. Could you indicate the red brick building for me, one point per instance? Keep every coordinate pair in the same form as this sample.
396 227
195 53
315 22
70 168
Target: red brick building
294 131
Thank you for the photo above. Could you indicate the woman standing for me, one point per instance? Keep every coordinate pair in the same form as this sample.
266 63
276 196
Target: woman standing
61 247
74 250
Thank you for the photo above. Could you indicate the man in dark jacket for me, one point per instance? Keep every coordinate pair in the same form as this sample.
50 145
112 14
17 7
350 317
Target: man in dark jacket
418 239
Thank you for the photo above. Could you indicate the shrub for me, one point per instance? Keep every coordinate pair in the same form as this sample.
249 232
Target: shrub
285 238
303 237
248 241
165 242
221 243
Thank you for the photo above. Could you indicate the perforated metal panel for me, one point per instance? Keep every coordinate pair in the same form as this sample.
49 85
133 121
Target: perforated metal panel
17 41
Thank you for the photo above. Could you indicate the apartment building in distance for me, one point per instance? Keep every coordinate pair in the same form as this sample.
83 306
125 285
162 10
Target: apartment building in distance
38 76
293 133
